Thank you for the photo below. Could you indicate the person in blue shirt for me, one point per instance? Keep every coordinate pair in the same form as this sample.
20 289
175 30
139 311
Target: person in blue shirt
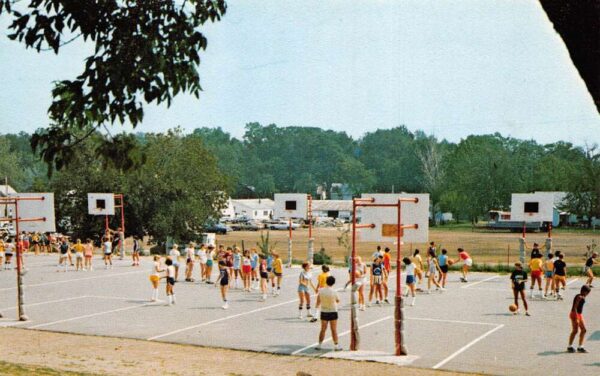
443 262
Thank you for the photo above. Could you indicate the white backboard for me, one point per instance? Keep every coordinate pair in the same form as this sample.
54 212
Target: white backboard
101 203
291 205
37 209
412 213
532 207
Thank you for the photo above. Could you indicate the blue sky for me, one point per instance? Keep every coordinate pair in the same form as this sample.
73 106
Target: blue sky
451 68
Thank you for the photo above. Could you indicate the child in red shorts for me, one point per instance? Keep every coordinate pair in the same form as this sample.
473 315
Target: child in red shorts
577 322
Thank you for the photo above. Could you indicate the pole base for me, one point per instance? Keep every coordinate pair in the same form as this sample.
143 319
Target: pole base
23 318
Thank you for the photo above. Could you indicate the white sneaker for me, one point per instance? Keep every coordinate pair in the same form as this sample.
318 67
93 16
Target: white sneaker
318 347
337 348
225 306
300 316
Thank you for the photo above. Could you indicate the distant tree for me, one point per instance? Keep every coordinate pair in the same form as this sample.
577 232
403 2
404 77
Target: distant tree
11 168
390 156
176 190
584 197
144 51
431 157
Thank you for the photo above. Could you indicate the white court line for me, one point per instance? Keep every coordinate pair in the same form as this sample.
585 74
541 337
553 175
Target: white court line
47 302
573 281
225 318
341 335
76 279
451 321
466 347
90 315
478 282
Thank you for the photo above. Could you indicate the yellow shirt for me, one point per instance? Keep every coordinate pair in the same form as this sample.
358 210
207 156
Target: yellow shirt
322 280
277 266
78 247
549 265
536 264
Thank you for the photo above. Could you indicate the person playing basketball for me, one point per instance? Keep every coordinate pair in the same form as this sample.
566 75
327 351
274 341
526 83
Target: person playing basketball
560 276
577 322
536 265
589 263
518 278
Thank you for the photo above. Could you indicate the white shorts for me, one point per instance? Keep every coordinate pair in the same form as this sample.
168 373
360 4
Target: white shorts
79 255
468 262
202 261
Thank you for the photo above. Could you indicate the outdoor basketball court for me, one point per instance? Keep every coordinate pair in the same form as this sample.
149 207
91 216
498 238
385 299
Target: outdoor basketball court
467 328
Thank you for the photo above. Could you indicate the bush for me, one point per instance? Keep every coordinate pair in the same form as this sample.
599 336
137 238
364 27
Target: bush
322 258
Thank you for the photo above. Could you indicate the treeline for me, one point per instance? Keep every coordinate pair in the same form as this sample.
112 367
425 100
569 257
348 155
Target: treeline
468 178
173 186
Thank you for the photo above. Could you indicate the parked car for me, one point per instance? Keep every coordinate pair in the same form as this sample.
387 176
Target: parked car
218 228
246 226
282 226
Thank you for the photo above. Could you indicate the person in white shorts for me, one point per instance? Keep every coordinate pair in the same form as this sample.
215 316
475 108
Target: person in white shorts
107 250
202 258
174 254
467 263
329 313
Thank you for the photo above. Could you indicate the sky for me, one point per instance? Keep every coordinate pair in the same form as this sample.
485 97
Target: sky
449 68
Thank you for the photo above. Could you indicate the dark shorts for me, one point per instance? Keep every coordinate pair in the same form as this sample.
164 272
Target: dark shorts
519 287
189 260
410 279
329 316
171 281
278 274
264 275
444 268
224 281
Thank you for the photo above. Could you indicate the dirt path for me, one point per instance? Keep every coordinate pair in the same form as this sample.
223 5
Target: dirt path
115 356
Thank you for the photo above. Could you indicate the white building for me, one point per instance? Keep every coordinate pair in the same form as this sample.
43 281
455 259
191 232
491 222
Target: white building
332 208
229 211
254 209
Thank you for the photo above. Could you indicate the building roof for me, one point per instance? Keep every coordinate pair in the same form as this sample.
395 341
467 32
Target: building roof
332 205
3 190
255 204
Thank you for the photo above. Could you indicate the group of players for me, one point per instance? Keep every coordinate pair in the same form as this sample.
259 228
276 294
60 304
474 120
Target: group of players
554 271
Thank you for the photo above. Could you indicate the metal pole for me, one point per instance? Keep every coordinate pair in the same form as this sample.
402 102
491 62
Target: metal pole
122 234
311 241
399 314
354 337
20 311
290 243
106 226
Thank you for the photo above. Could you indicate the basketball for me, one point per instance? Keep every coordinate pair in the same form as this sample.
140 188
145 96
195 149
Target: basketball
154 278
512 308
450 262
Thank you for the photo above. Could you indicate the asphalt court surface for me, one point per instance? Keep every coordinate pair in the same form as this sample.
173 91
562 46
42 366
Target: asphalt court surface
466 328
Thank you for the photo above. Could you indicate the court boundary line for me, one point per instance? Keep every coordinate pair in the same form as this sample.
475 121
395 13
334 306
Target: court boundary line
75 280
467 346
91 315
153 338
344 333
478 282
47 302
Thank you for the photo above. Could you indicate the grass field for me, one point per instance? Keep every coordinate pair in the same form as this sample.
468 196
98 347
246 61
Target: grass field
484 247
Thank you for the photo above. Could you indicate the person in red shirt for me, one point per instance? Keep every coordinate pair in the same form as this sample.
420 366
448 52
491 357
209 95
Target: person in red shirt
467 263
387 265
